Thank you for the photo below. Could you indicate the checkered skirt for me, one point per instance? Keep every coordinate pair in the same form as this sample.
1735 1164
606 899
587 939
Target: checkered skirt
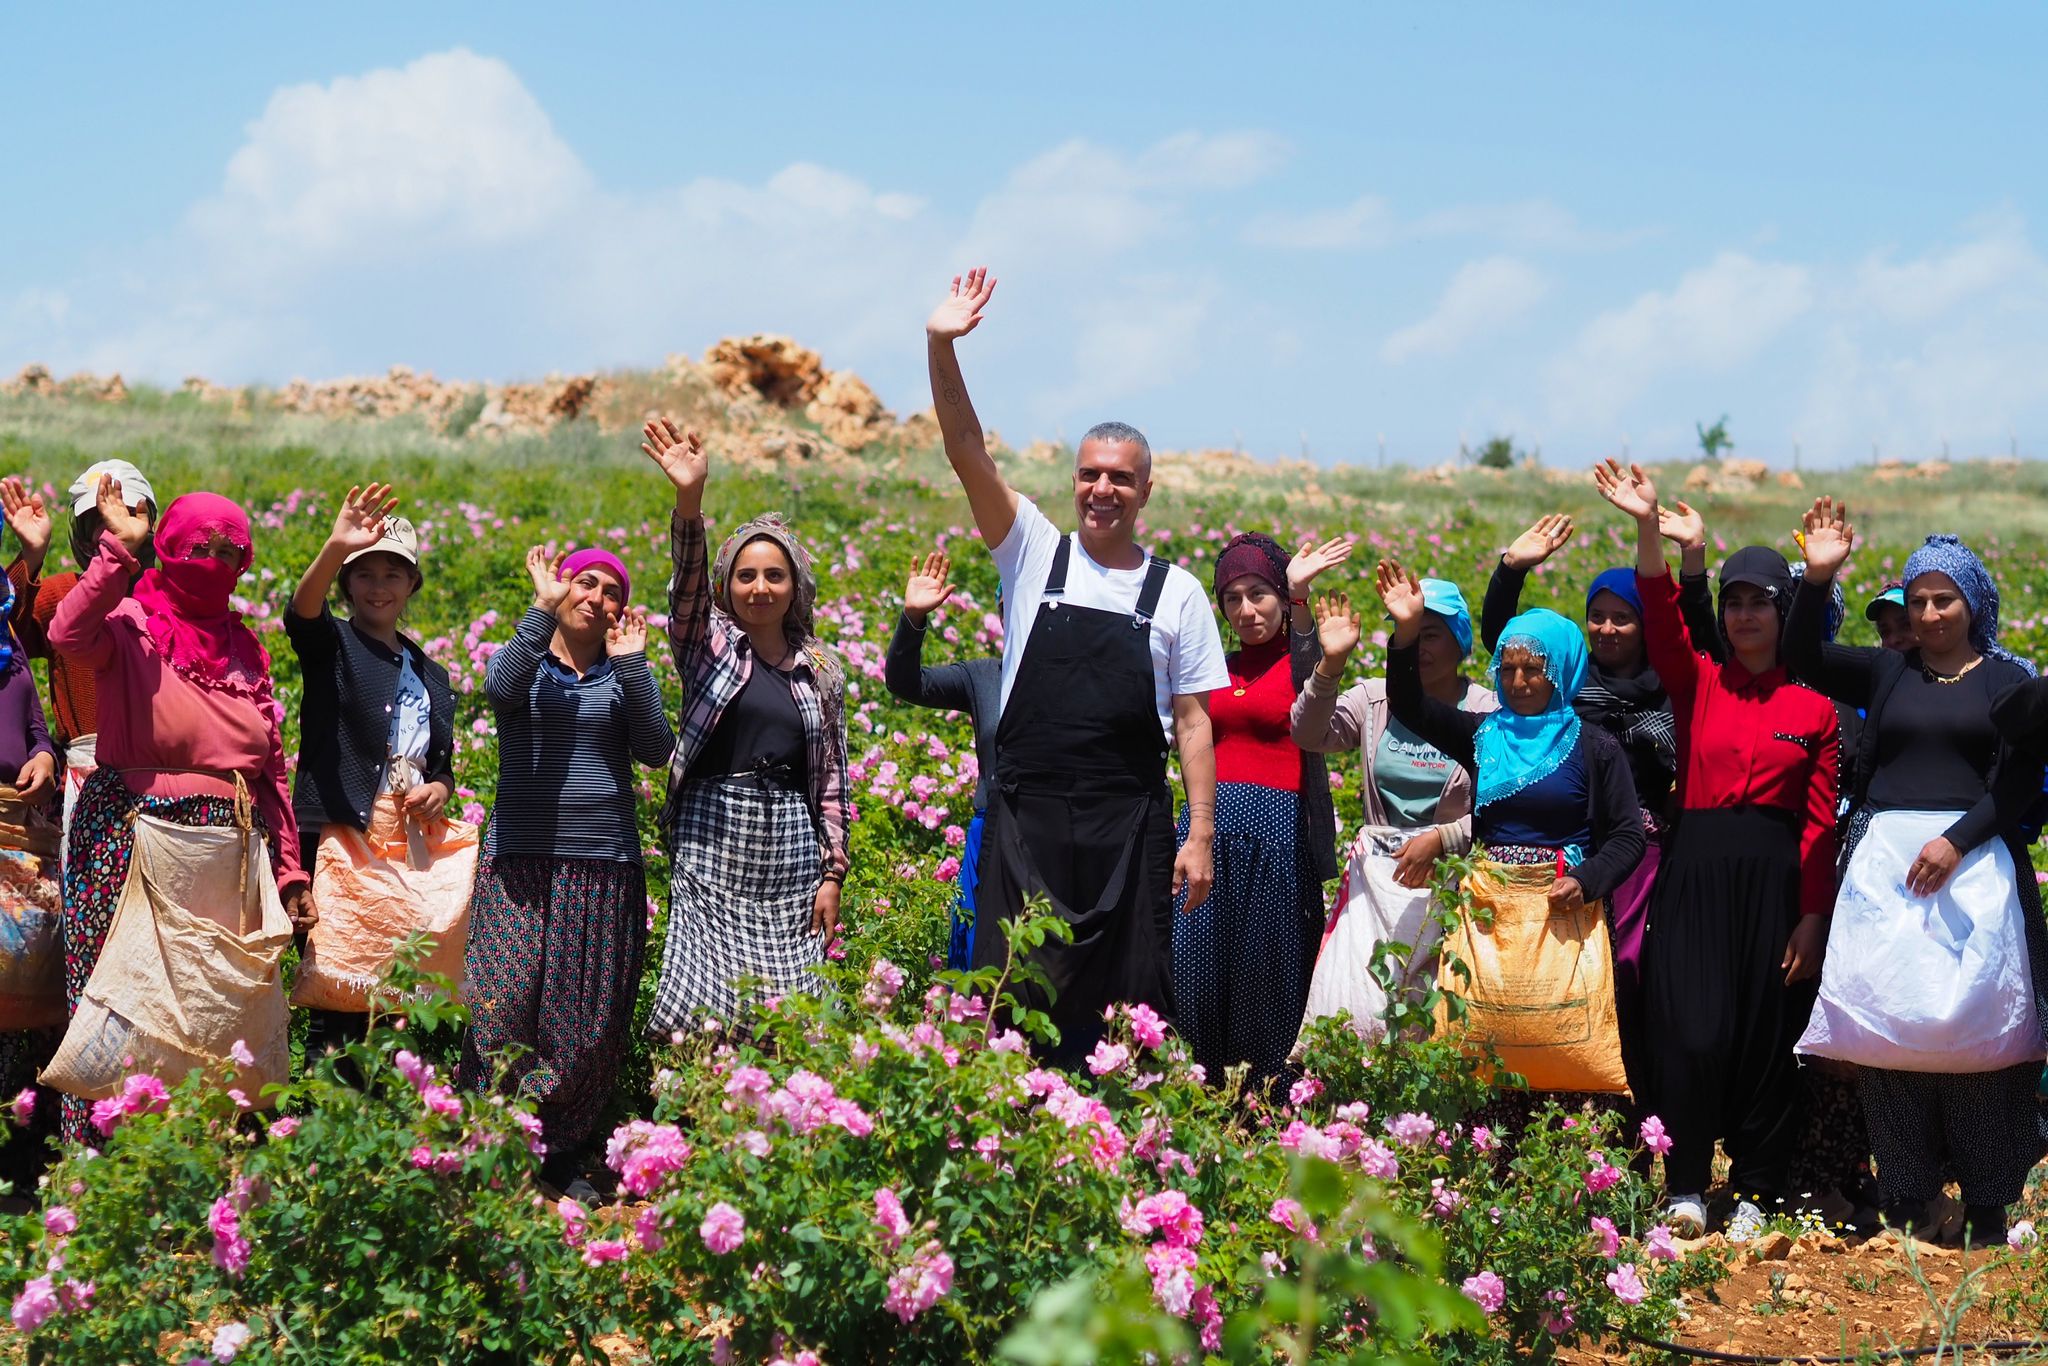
747 864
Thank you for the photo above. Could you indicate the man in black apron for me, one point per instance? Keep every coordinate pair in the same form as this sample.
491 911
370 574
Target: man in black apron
1079 807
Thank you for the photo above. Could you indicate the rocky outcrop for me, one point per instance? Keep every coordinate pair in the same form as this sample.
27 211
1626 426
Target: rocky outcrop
775 368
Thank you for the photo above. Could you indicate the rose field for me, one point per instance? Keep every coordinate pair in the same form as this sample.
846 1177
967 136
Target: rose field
883 1172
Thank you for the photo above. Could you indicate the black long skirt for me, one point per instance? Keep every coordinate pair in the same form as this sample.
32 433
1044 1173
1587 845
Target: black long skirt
1719 1021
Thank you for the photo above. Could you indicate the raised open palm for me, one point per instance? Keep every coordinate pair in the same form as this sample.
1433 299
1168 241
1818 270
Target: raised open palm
26 515
549 587
678 453
1402 593
930 585
1539 542
1828 538
960 312
129 526
1683 524
1629 489
627 635
1312 560
360 521
1336 625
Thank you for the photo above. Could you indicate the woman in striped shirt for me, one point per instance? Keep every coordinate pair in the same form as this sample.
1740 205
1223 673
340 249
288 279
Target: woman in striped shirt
558 921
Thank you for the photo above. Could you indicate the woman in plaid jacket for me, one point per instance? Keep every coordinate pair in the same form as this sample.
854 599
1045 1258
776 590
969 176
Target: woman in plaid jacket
756 815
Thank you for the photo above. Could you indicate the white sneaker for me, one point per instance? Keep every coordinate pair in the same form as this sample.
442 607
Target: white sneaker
1686 1216
1745 1223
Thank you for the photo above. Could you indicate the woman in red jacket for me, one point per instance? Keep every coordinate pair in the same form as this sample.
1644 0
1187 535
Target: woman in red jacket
1741 908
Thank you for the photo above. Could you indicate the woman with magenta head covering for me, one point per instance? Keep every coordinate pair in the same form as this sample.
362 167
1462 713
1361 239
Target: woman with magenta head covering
558 919
757 811
186 715
1242 958
1936 983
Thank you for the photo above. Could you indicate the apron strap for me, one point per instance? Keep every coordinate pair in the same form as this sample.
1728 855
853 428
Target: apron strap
1148 596
1056 578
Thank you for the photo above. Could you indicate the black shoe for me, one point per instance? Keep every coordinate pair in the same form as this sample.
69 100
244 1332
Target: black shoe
1984 1225
1907 1216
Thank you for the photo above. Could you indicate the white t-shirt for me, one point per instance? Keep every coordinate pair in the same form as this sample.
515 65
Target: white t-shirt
411 718
1187 650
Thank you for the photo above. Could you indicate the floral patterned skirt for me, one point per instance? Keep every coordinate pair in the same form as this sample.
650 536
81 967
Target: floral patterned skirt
553 967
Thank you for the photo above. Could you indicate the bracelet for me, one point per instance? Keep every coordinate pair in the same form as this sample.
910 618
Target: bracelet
1297 602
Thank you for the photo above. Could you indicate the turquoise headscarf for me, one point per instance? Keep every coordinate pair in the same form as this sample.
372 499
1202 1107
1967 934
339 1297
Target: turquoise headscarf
1442 598
1516 751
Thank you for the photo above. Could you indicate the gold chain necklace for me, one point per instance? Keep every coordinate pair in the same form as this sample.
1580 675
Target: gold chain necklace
1956 677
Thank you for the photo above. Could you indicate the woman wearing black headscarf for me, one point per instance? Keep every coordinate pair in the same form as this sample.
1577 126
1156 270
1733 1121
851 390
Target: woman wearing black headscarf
1242 960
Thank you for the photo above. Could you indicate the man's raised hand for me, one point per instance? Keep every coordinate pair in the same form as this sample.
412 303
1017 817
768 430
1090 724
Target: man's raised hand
930 585
960 312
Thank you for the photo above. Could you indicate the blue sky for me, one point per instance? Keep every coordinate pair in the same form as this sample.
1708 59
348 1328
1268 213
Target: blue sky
1322 224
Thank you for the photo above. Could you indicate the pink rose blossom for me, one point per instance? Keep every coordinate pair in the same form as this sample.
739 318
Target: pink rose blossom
1411 1130
1659 1246
1654 1137
1557 1313
647 1229
1627 1284
1173 1276
1108 1058
36 1302
59 1221
1378 1160
890 1218
918 1286
441 1100
1304 1091
239 1052
1208 1318
1483 1139
1486 1290
601 1250
284 1127
1603 1176
1146 1026
23 1106
414 1069
1610 1240
644 1154
723 1228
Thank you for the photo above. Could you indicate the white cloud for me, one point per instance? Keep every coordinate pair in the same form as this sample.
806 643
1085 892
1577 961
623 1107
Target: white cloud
1485 295
452 147
1917 290
1714 319
1142 334
1081 199
1369 223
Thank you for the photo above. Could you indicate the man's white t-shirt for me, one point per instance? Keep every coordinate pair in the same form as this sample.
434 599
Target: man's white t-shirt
1187 650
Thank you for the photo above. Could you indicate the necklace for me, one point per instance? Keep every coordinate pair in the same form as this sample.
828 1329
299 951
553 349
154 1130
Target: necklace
1932 677
1246 681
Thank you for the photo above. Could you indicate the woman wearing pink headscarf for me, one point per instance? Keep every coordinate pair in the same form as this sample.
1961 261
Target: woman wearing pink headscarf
186 718
558 919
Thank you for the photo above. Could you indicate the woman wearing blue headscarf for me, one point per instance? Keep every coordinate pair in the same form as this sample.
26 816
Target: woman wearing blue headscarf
1417 803
1936 983
1548 791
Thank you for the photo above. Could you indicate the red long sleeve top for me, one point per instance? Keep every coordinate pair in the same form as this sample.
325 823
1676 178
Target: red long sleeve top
1250 719
1748 739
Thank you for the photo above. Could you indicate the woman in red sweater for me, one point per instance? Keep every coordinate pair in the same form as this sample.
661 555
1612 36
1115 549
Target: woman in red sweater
1741 908
1242 960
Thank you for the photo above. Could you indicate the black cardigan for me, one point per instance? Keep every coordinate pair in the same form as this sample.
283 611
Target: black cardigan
1612 812
974 686
1864 676
345 719
1315 815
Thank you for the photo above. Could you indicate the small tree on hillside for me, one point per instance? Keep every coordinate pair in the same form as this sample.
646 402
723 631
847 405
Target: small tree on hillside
1715 439
1498 453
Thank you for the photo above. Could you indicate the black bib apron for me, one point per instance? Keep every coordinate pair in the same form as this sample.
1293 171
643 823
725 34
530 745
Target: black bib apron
1079 810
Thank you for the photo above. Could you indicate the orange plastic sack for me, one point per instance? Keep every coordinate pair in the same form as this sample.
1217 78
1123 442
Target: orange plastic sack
1541 989
371 896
